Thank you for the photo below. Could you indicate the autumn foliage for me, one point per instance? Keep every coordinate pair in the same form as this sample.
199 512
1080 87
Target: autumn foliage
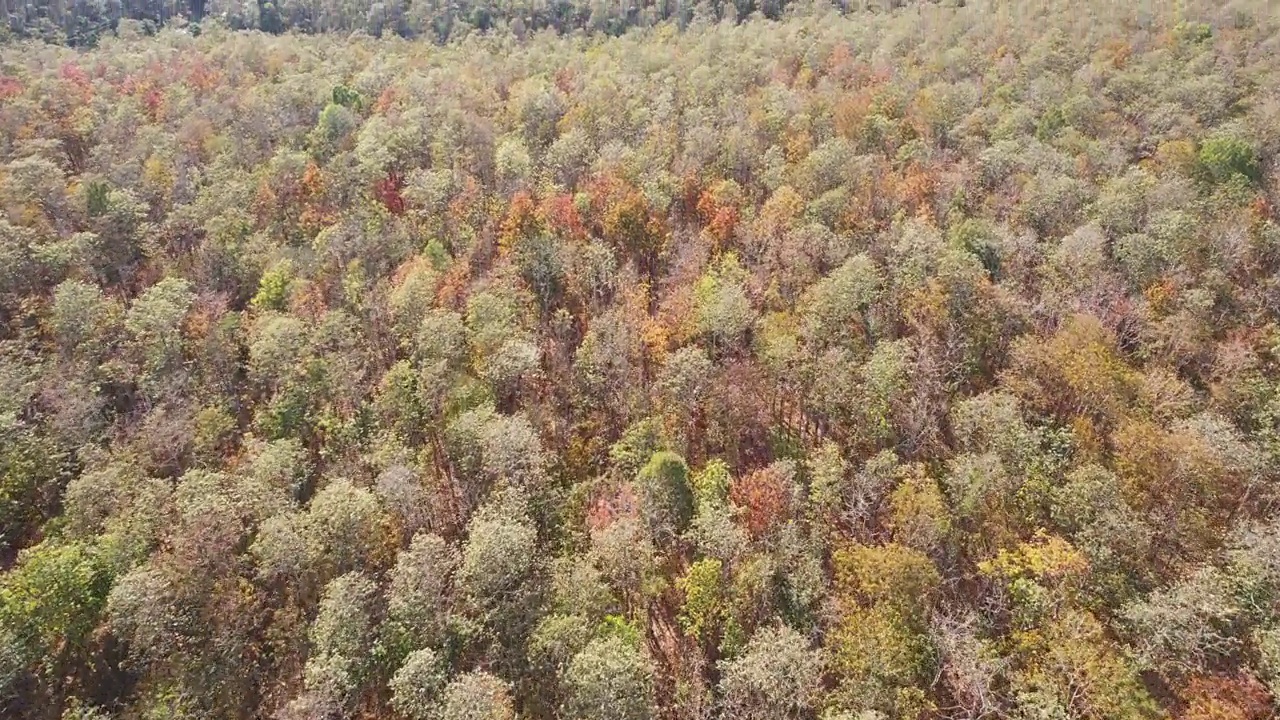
590 361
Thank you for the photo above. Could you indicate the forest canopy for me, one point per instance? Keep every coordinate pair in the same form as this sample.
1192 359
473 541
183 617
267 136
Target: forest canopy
750 363
84 22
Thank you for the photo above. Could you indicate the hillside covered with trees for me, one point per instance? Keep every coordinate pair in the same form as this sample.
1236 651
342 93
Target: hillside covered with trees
83 22
892 364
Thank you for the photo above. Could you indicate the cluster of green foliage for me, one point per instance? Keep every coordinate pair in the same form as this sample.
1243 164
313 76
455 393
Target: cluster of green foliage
858 365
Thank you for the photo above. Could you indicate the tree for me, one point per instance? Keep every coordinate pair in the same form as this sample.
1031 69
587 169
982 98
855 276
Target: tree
837 308
1189 627
80 711
610 678
155 321
417 686
82 319
828 487
1225 158
704 603
777 676
684 383
1075 372
477 695
501 580
766 498
491 450
880 647
557 640
341 530
502 349
438 337
273 288
579 587
1091 507
30 467
723 309
629 224
340 637
51 600
421 594
500 549
146 609
16 254
1064 661
626 556
1077 670
13 661
920 518
402 490
346 525
665 498
278 344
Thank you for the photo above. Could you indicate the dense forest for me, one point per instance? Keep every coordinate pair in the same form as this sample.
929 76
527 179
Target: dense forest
83 22
813 363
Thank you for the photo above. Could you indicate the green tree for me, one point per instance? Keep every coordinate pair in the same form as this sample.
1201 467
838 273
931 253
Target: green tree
51 600
340 637
723 309
665 497
155 321
81 319
777 676
500 550
477 695
610 678
1224 158
421 595
418 684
